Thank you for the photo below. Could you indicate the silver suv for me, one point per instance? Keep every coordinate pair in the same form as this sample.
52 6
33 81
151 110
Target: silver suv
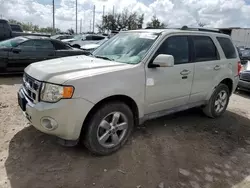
133 77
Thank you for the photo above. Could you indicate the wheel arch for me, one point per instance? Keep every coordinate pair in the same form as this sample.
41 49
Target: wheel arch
229 83
121 98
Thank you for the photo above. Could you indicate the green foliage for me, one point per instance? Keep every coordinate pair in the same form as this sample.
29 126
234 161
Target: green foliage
201 24
156 24
71 31
125 20
34 28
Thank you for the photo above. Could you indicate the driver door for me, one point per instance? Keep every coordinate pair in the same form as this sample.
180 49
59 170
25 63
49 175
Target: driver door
170 87
21 56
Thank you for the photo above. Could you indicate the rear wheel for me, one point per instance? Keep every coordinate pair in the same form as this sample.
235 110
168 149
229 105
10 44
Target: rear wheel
109 128
218 102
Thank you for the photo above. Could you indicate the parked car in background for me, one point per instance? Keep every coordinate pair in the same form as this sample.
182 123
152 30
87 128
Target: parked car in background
19 52
133 77
62 37
245 54
16 27
89 39
244 82
90 47
75 38
6 31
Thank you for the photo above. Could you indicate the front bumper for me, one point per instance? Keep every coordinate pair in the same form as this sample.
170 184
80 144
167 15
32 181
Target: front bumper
69 114
244 84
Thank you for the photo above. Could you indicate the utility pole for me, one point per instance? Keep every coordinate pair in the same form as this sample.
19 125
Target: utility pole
103 18
113 10
94 20
76 16
81 26
90 25
84 21
53 5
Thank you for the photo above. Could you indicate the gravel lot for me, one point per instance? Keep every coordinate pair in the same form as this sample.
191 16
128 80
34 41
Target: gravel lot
186 149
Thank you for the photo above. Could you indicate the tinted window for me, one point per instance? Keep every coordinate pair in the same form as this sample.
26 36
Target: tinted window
44 44
205 49
29 43
227 47
176 46
59 45
93 37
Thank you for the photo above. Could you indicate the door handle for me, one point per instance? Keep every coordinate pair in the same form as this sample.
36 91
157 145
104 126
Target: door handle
185 72
217 67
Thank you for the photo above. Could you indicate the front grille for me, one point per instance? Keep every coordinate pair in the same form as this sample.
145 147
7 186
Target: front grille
31 87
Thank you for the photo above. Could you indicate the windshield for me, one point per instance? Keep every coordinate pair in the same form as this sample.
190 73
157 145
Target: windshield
12 42
126 47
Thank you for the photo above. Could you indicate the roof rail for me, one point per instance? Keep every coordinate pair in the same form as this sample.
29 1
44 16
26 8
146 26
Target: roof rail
200 29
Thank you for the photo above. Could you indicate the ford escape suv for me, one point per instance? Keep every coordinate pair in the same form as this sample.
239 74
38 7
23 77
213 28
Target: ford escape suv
133 77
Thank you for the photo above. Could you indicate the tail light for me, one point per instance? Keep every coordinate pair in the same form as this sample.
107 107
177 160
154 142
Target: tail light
239 68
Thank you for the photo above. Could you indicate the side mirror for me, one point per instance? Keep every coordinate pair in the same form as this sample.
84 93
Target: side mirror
163 60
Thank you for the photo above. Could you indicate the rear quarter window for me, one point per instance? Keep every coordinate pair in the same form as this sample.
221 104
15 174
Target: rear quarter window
227 47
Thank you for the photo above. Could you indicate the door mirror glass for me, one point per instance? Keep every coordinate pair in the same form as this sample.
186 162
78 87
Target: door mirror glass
163 60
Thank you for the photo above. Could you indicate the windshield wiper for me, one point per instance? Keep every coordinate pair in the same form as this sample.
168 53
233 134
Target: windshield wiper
103 57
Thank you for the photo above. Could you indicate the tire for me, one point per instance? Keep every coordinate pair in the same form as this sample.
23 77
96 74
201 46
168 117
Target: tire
92 138
211 109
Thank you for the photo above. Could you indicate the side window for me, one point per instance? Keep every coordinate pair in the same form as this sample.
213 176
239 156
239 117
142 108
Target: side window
227 47
178 47
43 44
29 43
97 38
89 37
205 50
59 45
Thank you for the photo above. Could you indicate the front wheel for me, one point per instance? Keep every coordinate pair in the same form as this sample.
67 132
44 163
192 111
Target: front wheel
109 128
218 102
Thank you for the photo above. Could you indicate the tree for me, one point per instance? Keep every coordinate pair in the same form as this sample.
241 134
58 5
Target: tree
34 28
201 24
156 24
71 31
125 20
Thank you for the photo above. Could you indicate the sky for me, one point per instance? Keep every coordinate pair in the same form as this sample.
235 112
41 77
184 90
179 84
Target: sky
174 13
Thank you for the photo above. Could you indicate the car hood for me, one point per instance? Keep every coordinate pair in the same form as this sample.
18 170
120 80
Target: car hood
61 70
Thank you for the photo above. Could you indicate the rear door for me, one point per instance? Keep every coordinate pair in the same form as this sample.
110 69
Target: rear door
44 49
207 67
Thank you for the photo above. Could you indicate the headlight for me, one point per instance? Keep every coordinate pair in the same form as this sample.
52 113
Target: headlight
53 93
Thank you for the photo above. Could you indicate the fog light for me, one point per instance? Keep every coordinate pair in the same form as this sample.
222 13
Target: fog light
49 123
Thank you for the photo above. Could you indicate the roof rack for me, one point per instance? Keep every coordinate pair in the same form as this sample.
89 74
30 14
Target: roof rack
200 29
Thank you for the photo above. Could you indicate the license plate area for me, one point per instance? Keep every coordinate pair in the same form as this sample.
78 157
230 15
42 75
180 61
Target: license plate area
21 101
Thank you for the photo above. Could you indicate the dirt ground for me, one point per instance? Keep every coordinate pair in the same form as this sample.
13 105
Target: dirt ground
186 149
